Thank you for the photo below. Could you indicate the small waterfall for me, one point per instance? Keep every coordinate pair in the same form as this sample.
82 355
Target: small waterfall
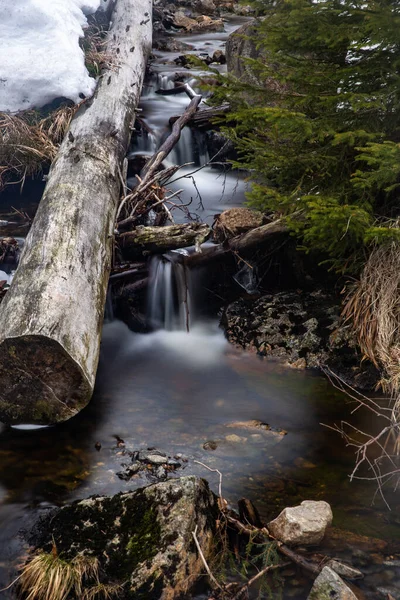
169 301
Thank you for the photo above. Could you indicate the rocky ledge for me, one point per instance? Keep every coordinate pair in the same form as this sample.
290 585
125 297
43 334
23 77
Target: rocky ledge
301 328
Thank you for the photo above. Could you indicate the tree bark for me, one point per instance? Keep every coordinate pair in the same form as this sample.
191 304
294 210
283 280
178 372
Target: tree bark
203 118
51 318
161 239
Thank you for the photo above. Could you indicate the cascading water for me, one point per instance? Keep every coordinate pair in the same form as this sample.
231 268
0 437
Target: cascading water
170 294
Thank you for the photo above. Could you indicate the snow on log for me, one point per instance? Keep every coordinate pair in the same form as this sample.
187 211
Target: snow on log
51 318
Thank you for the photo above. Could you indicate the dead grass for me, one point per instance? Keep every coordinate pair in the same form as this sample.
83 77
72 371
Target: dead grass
102 591
49 577
94 46
373 310
29 142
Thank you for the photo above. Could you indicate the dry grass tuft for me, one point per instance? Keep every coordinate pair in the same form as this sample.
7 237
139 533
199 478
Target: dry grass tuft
103 591
29 143
49 577
373 309
94 46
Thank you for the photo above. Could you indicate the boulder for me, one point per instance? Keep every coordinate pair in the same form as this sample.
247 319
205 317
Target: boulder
240 46
141 539
302 525
205 7
302 328
329 586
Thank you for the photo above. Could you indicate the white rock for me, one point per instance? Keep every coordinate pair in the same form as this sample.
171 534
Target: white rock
329 586
304 524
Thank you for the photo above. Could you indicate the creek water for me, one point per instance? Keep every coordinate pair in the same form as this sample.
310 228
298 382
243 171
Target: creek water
190 394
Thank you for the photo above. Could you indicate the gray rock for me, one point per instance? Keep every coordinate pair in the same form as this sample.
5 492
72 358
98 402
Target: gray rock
156 459
206 7
142 539
329 586
344 570
303 329
304 524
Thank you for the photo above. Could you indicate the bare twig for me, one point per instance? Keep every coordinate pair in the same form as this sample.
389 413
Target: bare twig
207 568
213 471
244 589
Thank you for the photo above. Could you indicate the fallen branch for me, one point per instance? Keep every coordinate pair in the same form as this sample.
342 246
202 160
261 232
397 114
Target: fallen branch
245 588
207 568
160 239
149 175
246 241
204 117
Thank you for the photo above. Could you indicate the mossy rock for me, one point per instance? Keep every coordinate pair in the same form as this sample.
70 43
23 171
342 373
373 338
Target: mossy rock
142 539
234 221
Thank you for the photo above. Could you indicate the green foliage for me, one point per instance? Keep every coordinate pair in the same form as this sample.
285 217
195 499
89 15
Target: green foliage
319 130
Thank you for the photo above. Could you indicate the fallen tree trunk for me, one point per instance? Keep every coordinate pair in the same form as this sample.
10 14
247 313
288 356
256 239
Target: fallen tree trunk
246 241
51 318
161 239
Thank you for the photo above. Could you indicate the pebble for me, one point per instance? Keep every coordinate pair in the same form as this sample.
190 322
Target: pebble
156 459
210 445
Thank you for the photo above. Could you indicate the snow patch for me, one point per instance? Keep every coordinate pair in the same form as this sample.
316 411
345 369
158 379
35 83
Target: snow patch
40 56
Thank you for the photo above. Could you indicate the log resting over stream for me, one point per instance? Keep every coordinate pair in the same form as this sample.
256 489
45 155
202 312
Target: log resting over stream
51 318
161 239
247 241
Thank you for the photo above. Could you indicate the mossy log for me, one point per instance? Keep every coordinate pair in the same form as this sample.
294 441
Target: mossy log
161 239
51 318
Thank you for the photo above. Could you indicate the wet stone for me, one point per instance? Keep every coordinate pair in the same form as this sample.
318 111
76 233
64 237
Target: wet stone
155 459
142 539
329 586
304 524
302 329
344 570
210 445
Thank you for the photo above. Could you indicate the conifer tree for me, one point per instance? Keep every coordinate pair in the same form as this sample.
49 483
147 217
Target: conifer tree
320 133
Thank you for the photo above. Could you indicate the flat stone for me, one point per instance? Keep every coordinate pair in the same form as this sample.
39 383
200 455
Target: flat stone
344 570
329 586
155 459
304 524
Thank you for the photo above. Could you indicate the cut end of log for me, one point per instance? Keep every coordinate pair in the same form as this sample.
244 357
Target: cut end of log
40 384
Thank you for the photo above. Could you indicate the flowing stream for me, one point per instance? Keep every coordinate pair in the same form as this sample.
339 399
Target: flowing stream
184 390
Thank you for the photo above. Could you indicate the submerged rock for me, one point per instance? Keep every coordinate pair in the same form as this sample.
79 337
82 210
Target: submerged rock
302 525
329 586
142 539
